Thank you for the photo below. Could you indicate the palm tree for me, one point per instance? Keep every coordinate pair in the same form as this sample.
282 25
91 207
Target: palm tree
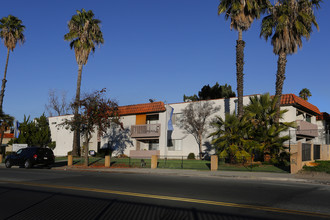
230 136
242 13
84 34
262 113
305 94
288 22
11 32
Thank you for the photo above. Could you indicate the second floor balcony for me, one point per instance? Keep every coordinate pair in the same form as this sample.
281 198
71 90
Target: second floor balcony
305 128
145 131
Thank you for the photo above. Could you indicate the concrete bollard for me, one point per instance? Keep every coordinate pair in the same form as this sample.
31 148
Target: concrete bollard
1 158
214 162
107 161
154 161
70 160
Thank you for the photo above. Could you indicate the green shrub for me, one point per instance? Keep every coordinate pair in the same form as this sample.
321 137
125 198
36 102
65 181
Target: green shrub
191 156
9 152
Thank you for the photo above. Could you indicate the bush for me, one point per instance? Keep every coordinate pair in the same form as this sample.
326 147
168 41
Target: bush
9 152
122 156
191 156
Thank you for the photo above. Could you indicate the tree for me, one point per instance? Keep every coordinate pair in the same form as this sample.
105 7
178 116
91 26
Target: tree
195 120
215 92
55 106
6 121
35 133
11 32
241 13
84 34
262 113
305 94
230 136
288 22
96 117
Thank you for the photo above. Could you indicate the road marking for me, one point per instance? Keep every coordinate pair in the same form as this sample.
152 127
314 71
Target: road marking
172 198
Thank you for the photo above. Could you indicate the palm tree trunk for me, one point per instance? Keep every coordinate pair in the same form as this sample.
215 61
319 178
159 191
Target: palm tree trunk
239 72
2 93
76 134
280 77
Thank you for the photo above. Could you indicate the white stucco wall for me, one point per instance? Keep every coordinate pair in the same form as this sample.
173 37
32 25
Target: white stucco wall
60 135
64 137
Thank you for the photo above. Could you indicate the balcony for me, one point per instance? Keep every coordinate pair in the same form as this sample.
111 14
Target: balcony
145 131
306 129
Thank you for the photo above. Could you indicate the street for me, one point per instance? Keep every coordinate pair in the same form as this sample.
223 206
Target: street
54 194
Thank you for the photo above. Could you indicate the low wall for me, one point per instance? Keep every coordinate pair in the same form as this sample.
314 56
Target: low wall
143 153
296 162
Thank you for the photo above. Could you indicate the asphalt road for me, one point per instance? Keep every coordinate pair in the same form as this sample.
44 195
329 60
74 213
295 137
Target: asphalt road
53 194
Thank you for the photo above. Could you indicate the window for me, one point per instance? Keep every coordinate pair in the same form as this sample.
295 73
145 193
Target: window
153 145
308 118
176 145
152 119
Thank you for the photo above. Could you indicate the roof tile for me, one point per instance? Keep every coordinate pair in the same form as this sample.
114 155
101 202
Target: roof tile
7 135
292 99
141 108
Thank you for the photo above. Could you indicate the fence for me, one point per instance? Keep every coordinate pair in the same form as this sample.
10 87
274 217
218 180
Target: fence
175 162
303 154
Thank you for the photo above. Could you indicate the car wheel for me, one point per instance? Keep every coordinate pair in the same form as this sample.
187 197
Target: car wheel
27 164
8 164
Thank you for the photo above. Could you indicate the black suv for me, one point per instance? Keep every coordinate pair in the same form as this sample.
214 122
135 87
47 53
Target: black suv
30 156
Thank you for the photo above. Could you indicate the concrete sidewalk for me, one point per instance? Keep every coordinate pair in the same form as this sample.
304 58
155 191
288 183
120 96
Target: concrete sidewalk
303 177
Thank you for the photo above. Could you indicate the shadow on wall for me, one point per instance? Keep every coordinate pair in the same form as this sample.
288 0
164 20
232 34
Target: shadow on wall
118 140
208 151
227 105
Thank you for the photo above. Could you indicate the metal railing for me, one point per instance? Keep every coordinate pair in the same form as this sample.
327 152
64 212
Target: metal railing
147 130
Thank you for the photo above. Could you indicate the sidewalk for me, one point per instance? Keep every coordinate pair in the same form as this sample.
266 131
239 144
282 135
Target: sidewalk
303 177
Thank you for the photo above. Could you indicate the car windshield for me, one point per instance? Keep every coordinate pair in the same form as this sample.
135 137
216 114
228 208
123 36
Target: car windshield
19 151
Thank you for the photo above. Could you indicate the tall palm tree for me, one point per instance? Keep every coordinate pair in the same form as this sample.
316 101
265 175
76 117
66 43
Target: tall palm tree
11 32
305 94
241 13
288 22
84 34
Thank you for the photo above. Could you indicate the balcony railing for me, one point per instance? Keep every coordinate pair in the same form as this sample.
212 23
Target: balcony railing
145 131
306 129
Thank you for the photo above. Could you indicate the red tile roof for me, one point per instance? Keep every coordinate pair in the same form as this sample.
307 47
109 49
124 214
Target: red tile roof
8 135
323 116
292 99
141 108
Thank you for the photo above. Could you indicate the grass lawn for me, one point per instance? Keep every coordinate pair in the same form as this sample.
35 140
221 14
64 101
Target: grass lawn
324 166
173 164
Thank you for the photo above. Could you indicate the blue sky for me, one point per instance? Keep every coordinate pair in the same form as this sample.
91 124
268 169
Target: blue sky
153 49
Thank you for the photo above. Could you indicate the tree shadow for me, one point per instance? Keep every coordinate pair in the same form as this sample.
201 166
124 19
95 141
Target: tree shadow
42 205
208 151
118 139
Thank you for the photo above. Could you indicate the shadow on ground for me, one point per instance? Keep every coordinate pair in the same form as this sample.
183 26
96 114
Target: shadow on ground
37 204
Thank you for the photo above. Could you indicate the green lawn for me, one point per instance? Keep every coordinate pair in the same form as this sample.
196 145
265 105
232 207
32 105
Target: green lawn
324 166
173 164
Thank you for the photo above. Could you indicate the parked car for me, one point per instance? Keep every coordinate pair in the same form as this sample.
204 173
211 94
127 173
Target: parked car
30 156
